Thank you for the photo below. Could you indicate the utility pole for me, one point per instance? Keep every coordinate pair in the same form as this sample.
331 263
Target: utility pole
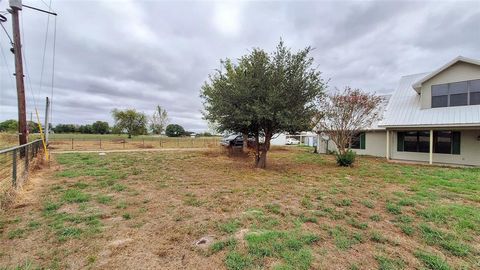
16 6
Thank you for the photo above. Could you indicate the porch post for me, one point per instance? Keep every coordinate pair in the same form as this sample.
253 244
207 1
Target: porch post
388 145
430 161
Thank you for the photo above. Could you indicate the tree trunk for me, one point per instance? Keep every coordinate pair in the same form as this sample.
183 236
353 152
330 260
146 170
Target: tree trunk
245 142
261 161
257 150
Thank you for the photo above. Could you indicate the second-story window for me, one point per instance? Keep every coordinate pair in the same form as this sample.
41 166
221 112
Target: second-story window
456 94
440 95
474 88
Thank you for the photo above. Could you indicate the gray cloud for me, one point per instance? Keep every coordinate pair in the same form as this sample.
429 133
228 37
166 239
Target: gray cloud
137 54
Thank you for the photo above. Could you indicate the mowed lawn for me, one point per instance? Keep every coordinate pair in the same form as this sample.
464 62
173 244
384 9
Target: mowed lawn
151 210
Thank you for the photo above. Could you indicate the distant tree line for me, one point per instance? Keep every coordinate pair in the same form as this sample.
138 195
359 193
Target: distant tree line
98 127
128 121
134 123
11 126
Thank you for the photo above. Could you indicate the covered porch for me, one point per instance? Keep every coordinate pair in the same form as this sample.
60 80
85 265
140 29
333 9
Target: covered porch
435 145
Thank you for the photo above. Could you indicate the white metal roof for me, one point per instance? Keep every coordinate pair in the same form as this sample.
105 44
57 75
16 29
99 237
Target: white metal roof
418 84
376 125
404 109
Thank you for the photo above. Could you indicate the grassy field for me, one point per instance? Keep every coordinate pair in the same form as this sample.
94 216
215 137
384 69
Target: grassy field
8 140
59 142
204 210
120 142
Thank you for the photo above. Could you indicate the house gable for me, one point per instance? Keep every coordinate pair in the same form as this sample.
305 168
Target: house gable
457 70
411 103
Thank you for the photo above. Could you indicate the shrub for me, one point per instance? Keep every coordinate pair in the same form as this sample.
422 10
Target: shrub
347 159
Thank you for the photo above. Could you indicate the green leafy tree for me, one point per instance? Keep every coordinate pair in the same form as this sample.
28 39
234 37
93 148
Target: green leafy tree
174 130
85 129
159 120
130 121
9 126
116 130
65 128
264 94
100 127
33 127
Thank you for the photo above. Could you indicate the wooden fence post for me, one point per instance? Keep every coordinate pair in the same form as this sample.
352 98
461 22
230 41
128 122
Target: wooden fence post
72 143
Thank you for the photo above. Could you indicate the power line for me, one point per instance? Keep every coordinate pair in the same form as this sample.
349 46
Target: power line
44 51
27 73
6 64
53 67
7 68
6 32
9 73
48 6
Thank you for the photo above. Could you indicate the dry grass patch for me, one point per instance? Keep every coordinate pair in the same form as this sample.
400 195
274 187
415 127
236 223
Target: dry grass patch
148 210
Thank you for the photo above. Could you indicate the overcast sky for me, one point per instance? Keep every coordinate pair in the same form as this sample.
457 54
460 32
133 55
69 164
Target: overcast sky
137 54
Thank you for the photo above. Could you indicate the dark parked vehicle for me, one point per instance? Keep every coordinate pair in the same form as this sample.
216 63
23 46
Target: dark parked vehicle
236 140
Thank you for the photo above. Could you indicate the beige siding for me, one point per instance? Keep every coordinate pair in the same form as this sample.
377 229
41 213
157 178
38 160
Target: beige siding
375 145
469 151
375 142
460 71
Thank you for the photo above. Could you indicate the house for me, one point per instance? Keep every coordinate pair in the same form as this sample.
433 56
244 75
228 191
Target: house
431 117
308 138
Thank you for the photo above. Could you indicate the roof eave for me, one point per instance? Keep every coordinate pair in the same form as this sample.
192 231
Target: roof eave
418 85
474 125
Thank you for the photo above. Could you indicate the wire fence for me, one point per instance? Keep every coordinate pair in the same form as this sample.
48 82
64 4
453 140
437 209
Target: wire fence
68 144
15 165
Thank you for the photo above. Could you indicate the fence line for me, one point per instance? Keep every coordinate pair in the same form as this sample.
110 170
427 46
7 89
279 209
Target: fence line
15 164
134 143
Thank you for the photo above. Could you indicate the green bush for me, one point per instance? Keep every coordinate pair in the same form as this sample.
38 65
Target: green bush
347 159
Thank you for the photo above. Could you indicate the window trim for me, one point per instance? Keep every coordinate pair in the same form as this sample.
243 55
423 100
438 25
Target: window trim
361 143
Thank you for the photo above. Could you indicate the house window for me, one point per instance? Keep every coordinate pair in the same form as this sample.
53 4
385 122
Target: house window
456 94
413 141
474 88
439 95
444 142
423 141
358 141
410 141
